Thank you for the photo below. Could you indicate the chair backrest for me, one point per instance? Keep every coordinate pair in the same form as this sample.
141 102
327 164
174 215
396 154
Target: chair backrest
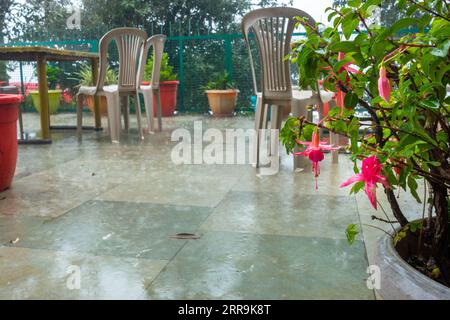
273 28
157 42
129 43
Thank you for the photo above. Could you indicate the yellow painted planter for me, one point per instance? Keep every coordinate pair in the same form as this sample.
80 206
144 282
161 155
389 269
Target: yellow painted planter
54 98
222 102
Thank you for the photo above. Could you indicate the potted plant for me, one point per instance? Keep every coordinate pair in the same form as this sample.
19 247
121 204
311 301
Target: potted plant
84 77
168 84
9 112
222 95
54 95
401 82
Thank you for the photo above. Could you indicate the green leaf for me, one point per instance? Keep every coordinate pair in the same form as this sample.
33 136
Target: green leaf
349 24
351 232
412 184
344 46
332 15
354 3
400 235
401 25
350 100
442 50
370 3
358 186
414 225
431 103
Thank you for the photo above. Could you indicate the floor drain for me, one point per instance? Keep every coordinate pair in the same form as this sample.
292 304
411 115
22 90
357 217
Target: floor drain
188 236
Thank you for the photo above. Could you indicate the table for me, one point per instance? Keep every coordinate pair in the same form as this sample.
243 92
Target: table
41 55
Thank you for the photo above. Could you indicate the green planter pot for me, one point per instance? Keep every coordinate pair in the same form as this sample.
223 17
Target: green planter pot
54 97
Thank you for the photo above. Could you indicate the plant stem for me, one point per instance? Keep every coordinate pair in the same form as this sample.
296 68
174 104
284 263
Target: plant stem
387 217
419 244
440 234
368 225
365 24
398 214
429 10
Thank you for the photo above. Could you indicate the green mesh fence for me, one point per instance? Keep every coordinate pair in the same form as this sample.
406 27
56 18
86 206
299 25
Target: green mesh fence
195 58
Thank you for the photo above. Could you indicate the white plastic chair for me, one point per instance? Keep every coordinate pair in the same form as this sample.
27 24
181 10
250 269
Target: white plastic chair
152 90
130 42
272 28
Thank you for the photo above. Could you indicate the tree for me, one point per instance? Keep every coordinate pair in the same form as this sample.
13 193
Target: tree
388 11
5 7
168 17
38 20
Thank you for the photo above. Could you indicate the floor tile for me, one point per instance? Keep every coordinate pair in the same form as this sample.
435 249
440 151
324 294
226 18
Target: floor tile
13 228
118 229
113 209
191 190
242 266
41 274
284 214
47 195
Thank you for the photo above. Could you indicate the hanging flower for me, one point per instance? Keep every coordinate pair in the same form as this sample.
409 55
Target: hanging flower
371 175
384 86
314 152
340 95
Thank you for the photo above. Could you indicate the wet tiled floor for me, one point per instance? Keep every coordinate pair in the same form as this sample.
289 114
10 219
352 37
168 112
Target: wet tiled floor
111 211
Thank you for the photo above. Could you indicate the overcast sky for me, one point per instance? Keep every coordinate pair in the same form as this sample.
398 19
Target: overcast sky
316 8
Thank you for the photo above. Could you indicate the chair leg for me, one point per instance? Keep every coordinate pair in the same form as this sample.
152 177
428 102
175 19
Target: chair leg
113 116
275 124
334 140
157 95
265 117
258 126
258 110
148 102
126 111
299 109
79 115
137 105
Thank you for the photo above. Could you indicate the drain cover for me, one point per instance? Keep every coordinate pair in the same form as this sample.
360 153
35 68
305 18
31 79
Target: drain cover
188 236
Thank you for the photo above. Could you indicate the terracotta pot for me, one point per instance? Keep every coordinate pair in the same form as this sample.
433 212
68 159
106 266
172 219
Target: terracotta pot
102 104
54 99
222 102
9 112
168 91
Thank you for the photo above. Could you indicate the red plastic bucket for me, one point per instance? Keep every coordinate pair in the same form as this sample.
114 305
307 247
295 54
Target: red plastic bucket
9 112
168 90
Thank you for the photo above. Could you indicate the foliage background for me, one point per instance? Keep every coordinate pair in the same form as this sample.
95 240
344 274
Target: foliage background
204 24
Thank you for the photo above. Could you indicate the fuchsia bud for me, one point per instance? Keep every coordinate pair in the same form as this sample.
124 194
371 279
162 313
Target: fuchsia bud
384 86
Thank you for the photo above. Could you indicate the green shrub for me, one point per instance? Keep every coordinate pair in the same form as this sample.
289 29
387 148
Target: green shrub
221 81
84 76
166 72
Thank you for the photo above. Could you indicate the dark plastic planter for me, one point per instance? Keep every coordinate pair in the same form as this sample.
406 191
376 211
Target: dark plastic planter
9 112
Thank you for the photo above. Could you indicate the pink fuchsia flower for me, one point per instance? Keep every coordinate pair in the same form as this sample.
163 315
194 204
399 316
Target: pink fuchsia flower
340 95
371 175
384 86
314 152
